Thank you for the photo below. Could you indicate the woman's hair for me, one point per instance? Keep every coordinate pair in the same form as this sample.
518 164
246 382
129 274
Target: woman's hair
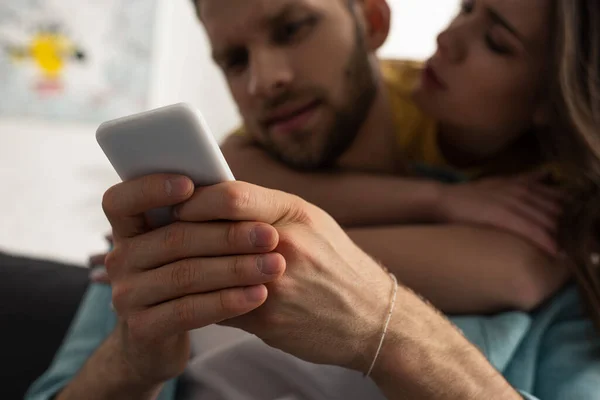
575 138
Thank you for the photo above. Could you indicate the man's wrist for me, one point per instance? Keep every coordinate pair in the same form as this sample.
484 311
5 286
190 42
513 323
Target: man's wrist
426 357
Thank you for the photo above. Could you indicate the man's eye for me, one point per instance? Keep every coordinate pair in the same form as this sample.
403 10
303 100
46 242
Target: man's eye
292 31
236 62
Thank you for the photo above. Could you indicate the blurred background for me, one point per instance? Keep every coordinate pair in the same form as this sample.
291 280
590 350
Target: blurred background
52 172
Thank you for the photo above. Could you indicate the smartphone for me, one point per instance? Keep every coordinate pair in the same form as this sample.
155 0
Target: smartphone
173 139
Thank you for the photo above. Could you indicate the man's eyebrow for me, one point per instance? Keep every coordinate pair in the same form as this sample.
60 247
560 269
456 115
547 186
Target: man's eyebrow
274 18
281 14
500 20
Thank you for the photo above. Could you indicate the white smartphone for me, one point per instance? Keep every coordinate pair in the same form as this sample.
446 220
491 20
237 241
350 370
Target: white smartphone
173 139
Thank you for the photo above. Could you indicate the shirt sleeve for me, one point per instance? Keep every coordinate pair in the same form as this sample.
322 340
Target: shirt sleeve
93 323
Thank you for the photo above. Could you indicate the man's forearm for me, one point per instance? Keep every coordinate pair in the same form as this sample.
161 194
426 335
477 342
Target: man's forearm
465 269
353 199
425 357
105 376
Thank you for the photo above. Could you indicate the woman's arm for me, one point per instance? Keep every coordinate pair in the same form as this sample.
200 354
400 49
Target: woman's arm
521 205
465 269
385 199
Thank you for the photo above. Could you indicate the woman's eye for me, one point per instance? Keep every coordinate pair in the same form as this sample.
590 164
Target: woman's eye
467 6
496 47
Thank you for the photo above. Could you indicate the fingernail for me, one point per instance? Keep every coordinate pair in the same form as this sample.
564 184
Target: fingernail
254 293
268 264
177 186
261 236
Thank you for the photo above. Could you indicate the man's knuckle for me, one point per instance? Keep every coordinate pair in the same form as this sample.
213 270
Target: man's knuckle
229 303
114 260
183 274
232 235
176 237
303 212
237 267
185 312
236 199
121 295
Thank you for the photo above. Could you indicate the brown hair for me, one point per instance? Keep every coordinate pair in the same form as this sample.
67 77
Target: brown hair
575 138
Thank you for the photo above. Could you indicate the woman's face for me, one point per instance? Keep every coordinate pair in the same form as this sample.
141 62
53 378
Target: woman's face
485 83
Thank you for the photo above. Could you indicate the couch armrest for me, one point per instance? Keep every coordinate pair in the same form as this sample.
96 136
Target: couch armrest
38 300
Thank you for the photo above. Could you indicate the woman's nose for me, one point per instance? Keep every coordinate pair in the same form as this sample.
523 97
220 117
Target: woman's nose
451 45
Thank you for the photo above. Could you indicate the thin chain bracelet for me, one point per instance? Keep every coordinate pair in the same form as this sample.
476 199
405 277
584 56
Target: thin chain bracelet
387 321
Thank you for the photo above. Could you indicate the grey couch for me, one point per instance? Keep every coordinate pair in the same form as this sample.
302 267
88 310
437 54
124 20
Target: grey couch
38 300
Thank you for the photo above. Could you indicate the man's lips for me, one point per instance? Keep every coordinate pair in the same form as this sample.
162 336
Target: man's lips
285 113
291 118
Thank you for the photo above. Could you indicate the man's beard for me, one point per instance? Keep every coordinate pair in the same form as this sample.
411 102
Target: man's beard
359 79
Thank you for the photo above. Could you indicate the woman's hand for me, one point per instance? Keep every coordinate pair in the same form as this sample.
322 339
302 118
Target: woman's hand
523 205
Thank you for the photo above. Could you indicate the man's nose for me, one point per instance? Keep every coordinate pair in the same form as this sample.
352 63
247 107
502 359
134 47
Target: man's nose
270 73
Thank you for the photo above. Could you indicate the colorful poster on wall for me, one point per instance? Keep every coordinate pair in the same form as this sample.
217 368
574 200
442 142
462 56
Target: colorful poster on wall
75 60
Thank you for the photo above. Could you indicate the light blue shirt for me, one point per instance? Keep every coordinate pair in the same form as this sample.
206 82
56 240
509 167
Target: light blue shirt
552 354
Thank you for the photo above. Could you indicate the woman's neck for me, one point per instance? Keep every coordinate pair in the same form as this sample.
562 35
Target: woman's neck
516 157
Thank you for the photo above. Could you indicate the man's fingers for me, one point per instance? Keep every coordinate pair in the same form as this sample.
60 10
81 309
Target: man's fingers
125 203
238 201
189 240
195 276
195 311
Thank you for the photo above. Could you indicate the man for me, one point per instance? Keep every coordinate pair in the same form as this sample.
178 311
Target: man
328 308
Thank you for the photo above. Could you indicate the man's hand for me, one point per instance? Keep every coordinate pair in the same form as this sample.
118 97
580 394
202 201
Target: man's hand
332 302
330 305
171 280
523 205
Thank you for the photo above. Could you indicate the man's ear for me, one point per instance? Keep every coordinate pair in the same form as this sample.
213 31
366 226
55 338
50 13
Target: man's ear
377 22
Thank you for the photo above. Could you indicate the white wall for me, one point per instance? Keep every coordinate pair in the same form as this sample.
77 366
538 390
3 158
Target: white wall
53 175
